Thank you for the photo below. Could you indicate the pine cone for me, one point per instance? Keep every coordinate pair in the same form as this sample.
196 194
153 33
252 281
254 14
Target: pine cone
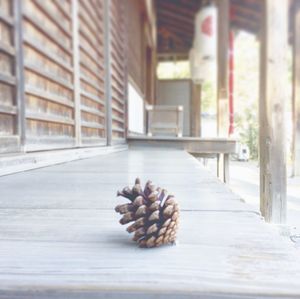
155 214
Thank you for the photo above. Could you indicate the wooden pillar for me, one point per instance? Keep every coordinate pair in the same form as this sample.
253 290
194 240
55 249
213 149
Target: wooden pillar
76 72
296 92
19 69
273 96
196 110
222 77
108 89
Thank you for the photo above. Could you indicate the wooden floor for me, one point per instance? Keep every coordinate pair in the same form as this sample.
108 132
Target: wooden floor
60 236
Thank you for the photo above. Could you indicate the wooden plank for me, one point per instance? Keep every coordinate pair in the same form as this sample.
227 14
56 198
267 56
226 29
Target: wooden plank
46 117
118 129
48 96
296 92
76 74
92 97
222 75
90 55
196 110
91 12
8 109
92 110
115 107
193 145
33 20
40 48
45 224
42 6
273 96
92 83
11 80
19 71
48 75
91 125
7 49
6 19
62 9
118 119
95 43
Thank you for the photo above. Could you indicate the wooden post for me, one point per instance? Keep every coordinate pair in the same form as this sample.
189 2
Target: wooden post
296 92
19 69
108 91
196 110
222 77
273 78
76 72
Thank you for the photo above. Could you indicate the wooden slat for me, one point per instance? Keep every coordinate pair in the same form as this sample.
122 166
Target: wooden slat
7 49
8 109
62 9
117 118
6 19
117 129
11 80
92 97
49 76
88 22
33 20
41 5
93 57
92 110
91 14
92 83
115 107
91 125
48 96
43 50
95 73
46 117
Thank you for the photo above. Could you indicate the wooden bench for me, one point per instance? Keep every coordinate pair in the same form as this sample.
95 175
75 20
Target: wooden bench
199 147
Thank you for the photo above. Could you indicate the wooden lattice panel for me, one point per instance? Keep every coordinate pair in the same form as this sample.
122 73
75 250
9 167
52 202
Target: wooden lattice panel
92 73
118 62
48 74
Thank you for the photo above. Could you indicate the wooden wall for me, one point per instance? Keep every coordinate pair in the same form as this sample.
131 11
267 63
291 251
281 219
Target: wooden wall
52 74
48 73
9 137
136 44
118 69
142 48
92 72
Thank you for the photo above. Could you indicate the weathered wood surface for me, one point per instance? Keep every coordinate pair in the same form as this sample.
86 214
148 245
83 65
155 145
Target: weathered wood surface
296 92
222 61
60 237
272 101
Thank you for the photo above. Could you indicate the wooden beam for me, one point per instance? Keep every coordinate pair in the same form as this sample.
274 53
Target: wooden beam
175 16
273 96
76 73
108 83
19 71
296 93
222 76
196 111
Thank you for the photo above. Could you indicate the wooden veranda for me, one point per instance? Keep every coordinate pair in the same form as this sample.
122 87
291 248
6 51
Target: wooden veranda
66 67
68 73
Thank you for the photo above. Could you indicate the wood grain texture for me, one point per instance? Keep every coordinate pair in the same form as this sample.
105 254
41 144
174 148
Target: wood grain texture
60 237
272 102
